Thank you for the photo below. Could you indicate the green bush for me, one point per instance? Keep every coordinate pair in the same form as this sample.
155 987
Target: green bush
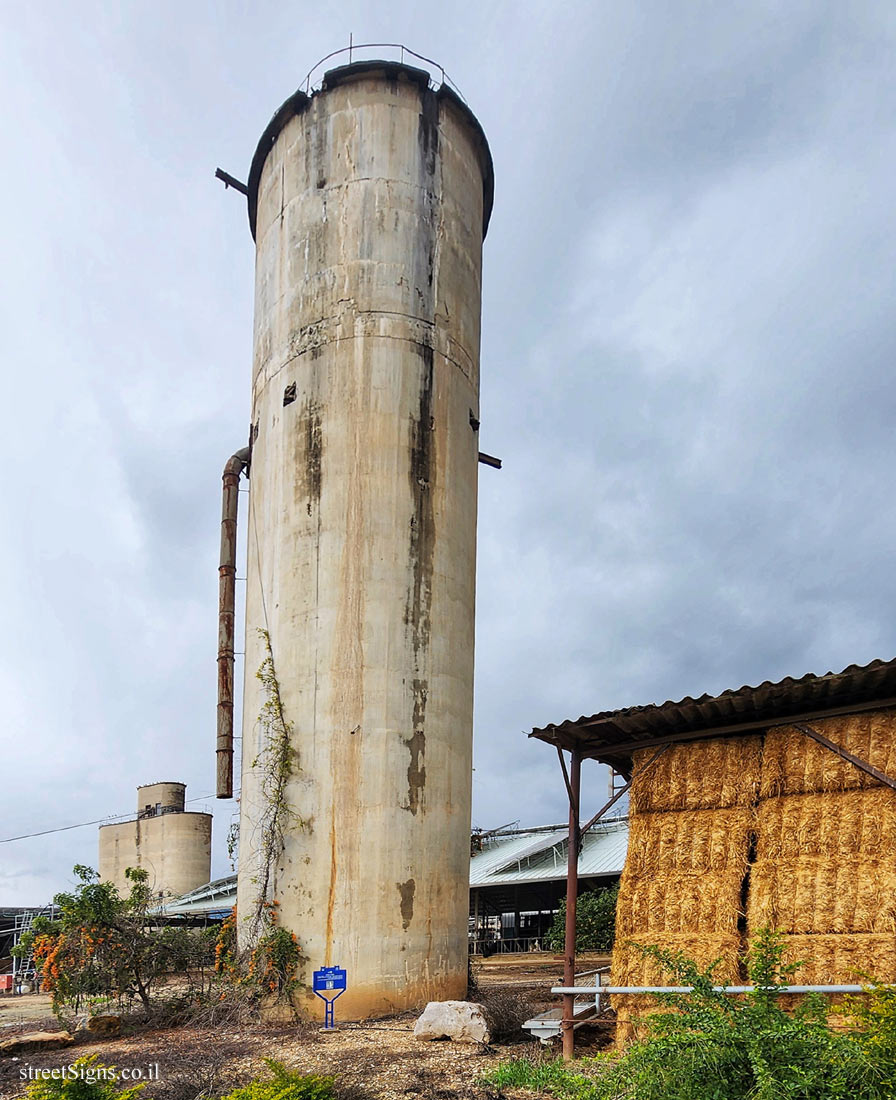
286 1084
595 921
107 946
874 1017
709 1046
85 1079
713 1046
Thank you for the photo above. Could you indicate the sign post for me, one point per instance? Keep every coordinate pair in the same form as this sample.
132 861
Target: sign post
328 983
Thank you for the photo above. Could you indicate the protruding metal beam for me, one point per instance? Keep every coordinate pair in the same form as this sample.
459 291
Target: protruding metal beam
489 460
231 181
857 761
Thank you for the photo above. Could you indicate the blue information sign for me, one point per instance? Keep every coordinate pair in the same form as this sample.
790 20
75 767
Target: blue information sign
328 983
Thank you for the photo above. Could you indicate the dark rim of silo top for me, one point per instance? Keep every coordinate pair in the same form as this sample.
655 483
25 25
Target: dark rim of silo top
390 70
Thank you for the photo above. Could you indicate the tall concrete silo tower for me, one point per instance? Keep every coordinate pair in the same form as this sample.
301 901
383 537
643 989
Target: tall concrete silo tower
170 843
368 201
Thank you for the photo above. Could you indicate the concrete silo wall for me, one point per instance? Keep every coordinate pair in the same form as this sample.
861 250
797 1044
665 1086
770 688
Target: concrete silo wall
174 849
362 526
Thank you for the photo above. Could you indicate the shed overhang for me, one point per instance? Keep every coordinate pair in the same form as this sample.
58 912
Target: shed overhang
611 737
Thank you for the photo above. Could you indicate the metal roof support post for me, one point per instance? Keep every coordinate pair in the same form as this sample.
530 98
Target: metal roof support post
572 890
620 792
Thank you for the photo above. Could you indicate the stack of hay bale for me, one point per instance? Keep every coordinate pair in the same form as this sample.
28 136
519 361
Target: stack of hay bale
691 820
825 870
778 825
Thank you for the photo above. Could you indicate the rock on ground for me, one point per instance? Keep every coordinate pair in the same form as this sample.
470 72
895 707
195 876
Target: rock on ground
104 1025
35 1040
462 1021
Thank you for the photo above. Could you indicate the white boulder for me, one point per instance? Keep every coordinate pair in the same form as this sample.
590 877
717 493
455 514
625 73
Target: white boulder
462 1021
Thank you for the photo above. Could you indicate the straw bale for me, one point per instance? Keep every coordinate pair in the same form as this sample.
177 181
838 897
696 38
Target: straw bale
793 763
690 841
838 824
835 959
680 903
630 967
823 895
630 1010
698 775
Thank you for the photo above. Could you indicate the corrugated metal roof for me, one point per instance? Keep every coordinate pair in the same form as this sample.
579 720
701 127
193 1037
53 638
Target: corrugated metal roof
513 862
215 895
503 851
612 735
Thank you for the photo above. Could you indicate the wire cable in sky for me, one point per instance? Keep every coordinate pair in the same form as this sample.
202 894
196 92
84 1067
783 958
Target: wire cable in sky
84 824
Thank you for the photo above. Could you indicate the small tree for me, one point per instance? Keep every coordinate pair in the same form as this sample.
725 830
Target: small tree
104 945
595 921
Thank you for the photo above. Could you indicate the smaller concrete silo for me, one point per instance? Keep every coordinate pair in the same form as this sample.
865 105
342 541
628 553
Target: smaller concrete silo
173 845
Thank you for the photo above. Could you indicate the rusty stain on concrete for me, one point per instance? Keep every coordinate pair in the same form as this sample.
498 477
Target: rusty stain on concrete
422 528
314 445
331 897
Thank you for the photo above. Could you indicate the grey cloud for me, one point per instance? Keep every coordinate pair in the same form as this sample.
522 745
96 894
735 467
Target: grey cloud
686 368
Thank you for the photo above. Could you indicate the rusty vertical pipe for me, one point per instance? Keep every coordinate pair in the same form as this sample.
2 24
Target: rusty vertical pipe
226 616
572 893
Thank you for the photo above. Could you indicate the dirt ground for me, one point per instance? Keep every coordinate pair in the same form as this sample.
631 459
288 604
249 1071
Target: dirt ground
538 971
380 1059
24 1009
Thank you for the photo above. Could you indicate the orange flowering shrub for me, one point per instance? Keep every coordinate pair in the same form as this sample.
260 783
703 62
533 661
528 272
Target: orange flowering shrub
104 945
272 966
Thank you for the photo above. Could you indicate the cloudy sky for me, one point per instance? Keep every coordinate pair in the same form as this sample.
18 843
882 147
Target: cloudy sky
687 368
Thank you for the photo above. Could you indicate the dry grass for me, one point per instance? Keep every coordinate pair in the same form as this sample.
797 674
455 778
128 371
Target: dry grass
818 894
843 958
701 775
689 841
680 904
837 824
507 1010
795 764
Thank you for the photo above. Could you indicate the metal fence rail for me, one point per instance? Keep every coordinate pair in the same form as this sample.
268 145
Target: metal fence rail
615 990
482 945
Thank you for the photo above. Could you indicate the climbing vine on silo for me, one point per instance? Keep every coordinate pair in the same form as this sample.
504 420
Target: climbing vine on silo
278 762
